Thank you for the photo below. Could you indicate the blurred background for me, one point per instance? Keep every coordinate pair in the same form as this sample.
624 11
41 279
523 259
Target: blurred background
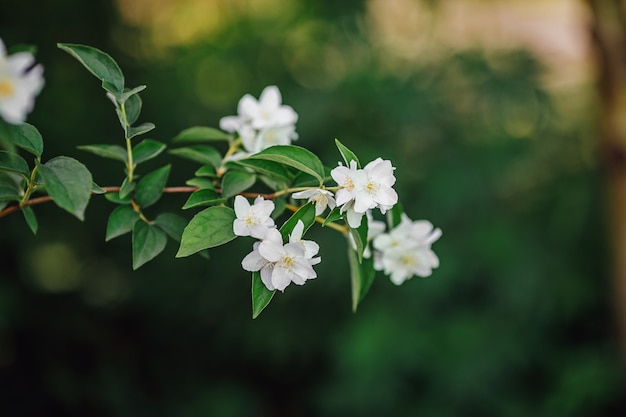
495 115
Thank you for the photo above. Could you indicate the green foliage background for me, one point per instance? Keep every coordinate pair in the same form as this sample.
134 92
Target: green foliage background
517 321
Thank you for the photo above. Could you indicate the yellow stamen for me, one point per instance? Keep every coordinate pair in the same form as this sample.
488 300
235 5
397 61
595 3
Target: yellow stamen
6 88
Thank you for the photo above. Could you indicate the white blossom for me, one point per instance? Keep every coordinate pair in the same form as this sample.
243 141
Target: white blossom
253 220
311 248
321 197
406 250
20 82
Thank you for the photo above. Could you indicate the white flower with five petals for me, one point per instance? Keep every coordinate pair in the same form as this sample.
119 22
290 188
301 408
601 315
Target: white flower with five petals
321 197
253 220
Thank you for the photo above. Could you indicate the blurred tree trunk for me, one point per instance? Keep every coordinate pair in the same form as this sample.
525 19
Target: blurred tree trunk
609 41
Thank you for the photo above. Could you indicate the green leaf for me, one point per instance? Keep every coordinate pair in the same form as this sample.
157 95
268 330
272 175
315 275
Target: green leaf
306 213
114 197
132 107
362 276
203 197
150 187
209 228
200 183
172 224
126 188
206 171
130 92
200 134
10 186
31 220
294 156
96 189
68 182
27 137
148 242
261 296
394 216
199 153
99 64
270 169
121 221
9 193
347 154
333 216
146 150
139 130
107 151
359 235
235 182
14 163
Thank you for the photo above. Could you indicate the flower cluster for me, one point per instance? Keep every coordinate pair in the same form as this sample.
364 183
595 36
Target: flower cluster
20 82
406 250
263 123
364 189
279 264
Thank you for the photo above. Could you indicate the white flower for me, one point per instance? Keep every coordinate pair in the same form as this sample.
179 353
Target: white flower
252 220
322 199
20 82
310 247
406 250
254 141
267 111
280 264
364 189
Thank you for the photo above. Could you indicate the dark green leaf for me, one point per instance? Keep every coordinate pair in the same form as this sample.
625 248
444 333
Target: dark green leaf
172 224
150 187
199 153
146 150
121 221
14 163
99 64
107 151
306 213
203 197
139 130
126 188
31 220
130 92
28 138
206 171
270 169
200 183
361 276
235 182
261 296
333 216
200 134
359 235
9 193
294 156
114 197
132 107
394 216
68 182
347 154
96 189
209 228
148 242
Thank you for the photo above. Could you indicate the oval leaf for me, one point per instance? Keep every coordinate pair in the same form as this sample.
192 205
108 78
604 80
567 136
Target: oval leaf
209 228
306 213
362 276
200 134
68 182
99 64
261 296
347 154
14 163
150 187
199 153
148 242
294 156
146 150
106 151
27 137
121 221
235 182
203 197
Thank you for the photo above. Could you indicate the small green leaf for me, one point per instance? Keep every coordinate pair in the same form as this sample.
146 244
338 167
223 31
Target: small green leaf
359 235
121 221
114 197
128 93
14 163
261 296
132 107
209 228
199 153
206 171
294 156
203 197
200 134
172 224
148 242
10 186
347 154
106 151
306 213
96 189
146 150
9 193
200 183
150 187
31 220
235 182
139 130
99 64
68 182
27 137
270 169
362 276
394 216
126 188
333 216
